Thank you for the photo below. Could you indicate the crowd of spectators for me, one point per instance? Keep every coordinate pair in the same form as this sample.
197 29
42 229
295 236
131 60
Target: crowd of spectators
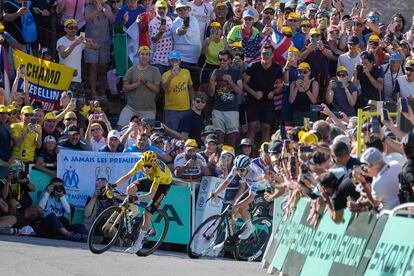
279 82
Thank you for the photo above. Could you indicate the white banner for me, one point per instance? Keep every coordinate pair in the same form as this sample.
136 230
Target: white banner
80 169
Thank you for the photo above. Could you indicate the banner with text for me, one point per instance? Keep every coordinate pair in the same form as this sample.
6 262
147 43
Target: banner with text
80 169
47 80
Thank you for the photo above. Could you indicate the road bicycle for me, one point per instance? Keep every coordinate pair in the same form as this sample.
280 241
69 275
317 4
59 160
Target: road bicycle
120 225
213 232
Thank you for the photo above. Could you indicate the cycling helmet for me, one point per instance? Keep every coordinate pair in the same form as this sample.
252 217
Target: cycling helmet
149 157
242 161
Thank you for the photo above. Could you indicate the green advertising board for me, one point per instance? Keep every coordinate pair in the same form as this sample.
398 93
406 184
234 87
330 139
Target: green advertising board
354 244
326 244
287 235
394 253
177 205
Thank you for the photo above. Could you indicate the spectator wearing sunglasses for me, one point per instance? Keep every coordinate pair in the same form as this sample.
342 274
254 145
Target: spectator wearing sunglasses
298 39
27 136
305 27
192 124
378 51
404 86
342 94
70 48
5 141
268 14
351 58
303 92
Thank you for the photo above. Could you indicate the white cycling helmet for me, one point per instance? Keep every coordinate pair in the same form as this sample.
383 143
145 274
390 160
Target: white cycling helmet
242 161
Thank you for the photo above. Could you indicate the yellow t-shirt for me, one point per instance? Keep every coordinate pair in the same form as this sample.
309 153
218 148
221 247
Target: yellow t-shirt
26 151
213 51
160 174
178 97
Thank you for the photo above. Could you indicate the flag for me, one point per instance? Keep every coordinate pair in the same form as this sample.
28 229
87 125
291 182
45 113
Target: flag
281 45
5 74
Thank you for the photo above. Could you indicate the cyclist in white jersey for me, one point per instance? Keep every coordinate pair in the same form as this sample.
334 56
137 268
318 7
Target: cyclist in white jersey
249 174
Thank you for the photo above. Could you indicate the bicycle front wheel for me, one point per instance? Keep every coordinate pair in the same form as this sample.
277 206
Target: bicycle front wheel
105 230
253 248
156 235
206 236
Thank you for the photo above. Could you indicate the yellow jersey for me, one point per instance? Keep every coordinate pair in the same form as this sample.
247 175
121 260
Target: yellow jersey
177 97
160 173
26 151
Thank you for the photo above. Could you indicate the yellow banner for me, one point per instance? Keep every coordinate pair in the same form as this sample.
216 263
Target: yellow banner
47 80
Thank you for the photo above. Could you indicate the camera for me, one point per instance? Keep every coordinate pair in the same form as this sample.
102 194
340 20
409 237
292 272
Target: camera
59 189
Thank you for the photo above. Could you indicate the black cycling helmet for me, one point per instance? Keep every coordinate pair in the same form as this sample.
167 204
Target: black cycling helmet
408 145
242 161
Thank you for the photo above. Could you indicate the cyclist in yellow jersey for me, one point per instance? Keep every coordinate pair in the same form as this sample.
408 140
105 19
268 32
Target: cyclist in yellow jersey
157 183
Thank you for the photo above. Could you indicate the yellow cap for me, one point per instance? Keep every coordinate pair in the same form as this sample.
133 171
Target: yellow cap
265 144
309 138
304 65
70 21
144 48
286 30
3 109
70 114
269 7
277 4
294 15
220 4
293 49
374 37
11 108
1 27
96 125
236 44
50 116
315 31
342 69
228 149
161 4
215 24
27 109
191 143
305 22
236 3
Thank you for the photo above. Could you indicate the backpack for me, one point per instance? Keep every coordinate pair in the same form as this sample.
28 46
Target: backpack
28 31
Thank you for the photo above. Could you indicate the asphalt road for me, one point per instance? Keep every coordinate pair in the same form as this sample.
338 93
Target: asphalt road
36 256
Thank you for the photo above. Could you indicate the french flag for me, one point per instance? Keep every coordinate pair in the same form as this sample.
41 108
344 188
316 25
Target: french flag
4 74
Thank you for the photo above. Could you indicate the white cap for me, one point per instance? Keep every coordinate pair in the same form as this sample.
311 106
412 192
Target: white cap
114 133
342 138
49 138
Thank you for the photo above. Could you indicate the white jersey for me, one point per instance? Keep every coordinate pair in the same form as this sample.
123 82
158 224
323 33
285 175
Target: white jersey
254 173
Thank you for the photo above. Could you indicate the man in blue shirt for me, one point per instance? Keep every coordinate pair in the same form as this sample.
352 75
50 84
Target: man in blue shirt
143 146
128 13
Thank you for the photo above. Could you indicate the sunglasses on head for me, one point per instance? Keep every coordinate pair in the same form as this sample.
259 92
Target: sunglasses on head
200 101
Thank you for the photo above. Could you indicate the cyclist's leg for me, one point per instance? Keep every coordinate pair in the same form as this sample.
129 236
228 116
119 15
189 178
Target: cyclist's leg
153 205
243 209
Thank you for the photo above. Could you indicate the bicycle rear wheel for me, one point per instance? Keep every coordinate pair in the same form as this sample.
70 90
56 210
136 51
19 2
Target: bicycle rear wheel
206 236
157 234
103 232
253 248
